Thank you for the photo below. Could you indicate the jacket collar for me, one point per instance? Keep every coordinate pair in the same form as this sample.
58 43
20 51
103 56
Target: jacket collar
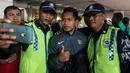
39 25
103 30
68 32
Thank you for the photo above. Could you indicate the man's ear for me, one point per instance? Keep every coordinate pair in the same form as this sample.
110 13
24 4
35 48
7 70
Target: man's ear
76 22
104 16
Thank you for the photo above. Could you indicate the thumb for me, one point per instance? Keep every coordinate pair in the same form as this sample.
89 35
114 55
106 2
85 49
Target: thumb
7 20
62 50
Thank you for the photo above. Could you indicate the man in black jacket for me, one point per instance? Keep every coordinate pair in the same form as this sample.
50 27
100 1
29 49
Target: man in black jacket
66 50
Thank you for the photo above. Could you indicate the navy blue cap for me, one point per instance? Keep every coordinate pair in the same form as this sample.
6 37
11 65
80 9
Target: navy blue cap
48 5
94 8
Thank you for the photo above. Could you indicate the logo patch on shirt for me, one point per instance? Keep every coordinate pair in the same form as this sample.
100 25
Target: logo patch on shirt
79 41
60 42
106 43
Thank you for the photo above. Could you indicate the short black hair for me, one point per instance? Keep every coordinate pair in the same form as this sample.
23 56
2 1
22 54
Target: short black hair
118 15
55 27
79 18
10 8
71 9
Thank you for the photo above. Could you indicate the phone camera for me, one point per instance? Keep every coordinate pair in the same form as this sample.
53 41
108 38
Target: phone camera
23 34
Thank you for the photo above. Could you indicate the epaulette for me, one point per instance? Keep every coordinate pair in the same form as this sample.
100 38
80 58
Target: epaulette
112 27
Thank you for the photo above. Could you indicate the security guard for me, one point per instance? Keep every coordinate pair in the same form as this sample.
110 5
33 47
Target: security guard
34 56
102 47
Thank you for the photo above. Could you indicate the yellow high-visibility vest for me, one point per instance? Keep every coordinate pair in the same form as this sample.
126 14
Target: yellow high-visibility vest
102 62
34 59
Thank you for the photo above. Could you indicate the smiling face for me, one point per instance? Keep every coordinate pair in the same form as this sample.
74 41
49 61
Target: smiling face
95 21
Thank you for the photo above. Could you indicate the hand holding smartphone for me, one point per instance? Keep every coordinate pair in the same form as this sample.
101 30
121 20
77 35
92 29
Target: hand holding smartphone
24 34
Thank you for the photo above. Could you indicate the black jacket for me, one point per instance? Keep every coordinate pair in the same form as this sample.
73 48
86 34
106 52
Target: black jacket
86 30
73 43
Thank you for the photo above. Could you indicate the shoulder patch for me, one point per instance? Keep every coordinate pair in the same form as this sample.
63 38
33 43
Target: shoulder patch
106 43
79 41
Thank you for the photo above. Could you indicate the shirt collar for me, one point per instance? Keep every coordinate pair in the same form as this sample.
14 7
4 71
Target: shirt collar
68 32
39 25
103 30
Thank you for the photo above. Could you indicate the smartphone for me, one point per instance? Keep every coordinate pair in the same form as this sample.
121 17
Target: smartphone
24 34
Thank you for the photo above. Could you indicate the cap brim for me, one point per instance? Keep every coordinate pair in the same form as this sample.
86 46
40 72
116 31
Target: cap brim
91 13
48 9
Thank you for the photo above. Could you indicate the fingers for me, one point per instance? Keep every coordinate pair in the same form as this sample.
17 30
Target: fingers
3 30
64 56
6 40
6 43
7 21
67 53
7 37
3 61
62 50
4 46
12 58
4 36
10 42
4 20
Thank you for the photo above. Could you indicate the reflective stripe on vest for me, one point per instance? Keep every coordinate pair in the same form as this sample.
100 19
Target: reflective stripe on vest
104 62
